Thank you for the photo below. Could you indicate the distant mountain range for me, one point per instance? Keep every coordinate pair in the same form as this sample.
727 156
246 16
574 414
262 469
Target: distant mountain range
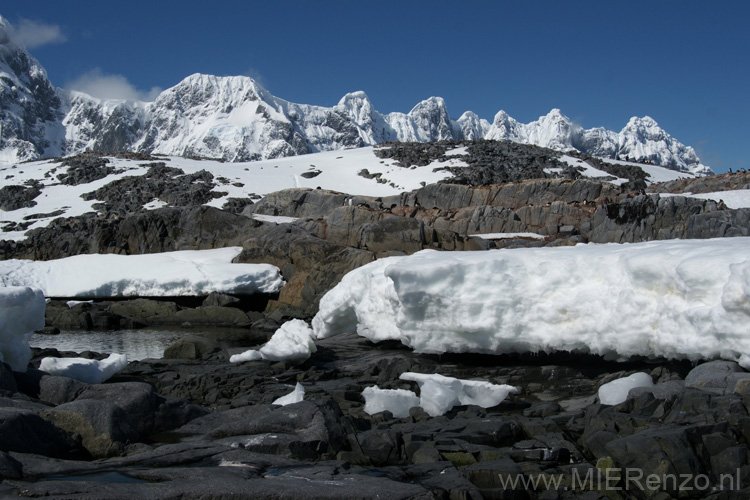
235 119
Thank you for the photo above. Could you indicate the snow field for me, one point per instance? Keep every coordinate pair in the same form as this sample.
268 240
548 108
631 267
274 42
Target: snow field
338 172
187 272
21 312
673 299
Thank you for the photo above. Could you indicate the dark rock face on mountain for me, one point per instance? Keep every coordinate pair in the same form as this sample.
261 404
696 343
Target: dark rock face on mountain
32 110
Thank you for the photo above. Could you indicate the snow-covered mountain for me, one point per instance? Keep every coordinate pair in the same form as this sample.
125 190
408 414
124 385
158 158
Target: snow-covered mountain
235 119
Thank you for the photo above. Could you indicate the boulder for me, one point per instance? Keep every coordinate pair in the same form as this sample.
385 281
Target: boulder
308 429
191 347
719 377
57 390
24 431
148 311
10 468
215 299
103 427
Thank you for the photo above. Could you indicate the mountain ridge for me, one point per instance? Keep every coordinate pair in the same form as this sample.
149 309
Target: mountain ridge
233 118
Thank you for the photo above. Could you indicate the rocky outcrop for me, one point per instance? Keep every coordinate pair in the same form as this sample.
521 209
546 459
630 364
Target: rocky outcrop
161 230
84 168
649 217
689 430
167 184
141 312
708 184
14 197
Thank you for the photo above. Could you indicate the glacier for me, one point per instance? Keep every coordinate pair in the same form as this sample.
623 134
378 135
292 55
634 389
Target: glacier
234 119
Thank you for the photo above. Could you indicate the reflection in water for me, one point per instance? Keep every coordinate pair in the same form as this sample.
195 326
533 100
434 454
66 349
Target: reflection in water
135 344
141 343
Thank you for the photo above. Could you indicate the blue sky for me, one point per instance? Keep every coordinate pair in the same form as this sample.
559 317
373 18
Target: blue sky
684 63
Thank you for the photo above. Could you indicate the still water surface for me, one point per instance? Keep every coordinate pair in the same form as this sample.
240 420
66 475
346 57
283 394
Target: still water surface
135 344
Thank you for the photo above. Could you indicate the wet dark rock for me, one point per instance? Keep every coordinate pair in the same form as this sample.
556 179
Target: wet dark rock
147 311
102 425
7 380
24 431
719 377
10 468
220 300
57 390
191 347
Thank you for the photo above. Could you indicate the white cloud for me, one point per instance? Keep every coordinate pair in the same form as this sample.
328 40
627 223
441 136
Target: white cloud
33 34
103 86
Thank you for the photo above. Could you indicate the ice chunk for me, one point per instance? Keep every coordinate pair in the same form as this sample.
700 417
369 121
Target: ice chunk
439 393
396 401
297 395
86 370
249 355
435 398
187 272
616 392
291 342
674 299
21 312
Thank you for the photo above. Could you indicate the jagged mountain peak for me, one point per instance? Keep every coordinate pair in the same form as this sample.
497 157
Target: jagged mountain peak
430 104
357 106
31 109
236 119
358 96
642 121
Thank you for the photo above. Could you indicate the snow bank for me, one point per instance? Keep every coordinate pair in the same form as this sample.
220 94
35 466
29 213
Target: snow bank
616 392
86 370
438 393
676 299
396 401
188 272
293 341
297 395
21 312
